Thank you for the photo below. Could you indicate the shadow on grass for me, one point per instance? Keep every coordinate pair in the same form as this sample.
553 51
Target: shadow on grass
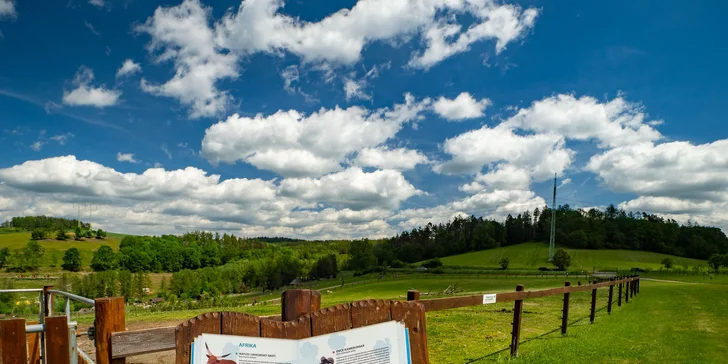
533 338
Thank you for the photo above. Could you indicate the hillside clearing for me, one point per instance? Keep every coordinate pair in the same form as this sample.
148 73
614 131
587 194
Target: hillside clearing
535 255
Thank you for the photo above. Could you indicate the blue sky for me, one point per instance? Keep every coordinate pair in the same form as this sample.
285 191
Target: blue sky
323 119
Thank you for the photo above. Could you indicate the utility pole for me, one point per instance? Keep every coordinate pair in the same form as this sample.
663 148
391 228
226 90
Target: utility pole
552 239
91 209
78 215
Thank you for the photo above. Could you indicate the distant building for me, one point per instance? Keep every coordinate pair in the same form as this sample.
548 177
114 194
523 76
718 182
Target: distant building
156 300
296 282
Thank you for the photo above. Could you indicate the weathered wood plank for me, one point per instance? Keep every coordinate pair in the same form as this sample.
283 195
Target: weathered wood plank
56 339
109 319
412 314
138 342
296 329
331 319
243 324
12 341
181 333
299 302
439 304
370 312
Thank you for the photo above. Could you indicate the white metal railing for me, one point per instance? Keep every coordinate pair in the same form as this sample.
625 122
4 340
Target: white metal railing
47 305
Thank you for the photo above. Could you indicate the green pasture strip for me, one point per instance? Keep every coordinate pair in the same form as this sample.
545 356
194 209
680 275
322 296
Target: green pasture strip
17 241
665 323
534 255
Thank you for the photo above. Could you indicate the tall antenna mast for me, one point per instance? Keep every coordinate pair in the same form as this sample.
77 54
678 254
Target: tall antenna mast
91 209
552 239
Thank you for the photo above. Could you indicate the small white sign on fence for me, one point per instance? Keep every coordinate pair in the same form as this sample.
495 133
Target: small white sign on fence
488 298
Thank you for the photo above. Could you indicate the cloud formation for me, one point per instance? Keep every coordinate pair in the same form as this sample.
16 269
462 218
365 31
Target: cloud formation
129 67
86 95
205 51
293 144
464 106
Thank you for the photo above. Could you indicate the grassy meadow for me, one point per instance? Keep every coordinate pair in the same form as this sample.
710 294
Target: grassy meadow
18 240
535 255
665 323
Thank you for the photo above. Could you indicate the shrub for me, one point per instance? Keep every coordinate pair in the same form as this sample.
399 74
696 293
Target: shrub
667 262
72 260
61 235
397 264
38 235
504 263
562 259
437 270
432 263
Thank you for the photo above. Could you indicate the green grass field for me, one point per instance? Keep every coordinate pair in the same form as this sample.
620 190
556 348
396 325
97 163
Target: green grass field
16 240
665 323
535 255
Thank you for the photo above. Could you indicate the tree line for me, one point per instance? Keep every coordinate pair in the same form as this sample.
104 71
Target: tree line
611 228
47 223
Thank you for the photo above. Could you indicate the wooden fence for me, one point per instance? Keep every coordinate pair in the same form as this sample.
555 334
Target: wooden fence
301 316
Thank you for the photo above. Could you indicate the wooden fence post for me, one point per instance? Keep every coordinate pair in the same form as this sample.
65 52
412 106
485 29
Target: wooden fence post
109 318
299 302
565 310
626 291
611 295
633 285
516 333
619 299
413 295
638 285
56 336
48 301
593 304
12 341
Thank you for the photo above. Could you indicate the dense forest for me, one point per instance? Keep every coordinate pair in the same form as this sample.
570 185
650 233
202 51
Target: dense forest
46 223
575 228
207 262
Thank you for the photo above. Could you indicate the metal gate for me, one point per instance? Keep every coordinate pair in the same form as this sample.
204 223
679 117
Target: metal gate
55 339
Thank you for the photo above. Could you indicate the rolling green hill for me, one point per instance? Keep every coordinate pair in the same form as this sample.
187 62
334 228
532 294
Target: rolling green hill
534 255
17 240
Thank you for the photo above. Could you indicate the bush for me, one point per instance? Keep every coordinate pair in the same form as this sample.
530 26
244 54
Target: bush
61 235
504 263
437 270
72 260
432 263
544 269
38 235
667 262
397 264
562 259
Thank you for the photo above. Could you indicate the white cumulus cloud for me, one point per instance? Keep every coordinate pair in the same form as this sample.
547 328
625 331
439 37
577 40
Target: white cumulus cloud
205 51
464 106
129 67
293 144
386 158
612 123
86 95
